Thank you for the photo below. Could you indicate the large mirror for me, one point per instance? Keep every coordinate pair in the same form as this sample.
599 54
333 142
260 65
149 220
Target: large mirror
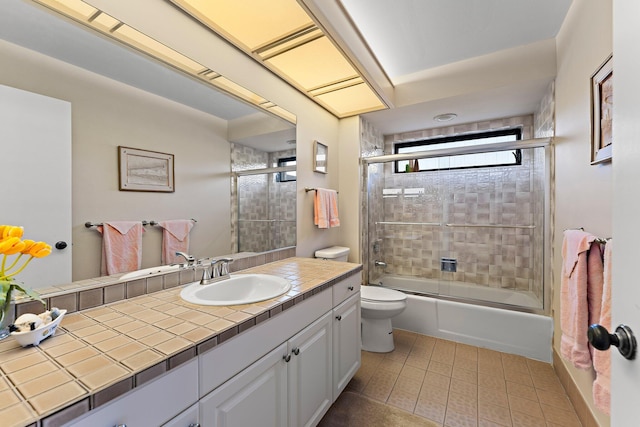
120 97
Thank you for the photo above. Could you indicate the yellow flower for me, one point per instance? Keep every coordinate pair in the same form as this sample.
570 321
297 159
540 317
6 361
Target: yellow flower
12 244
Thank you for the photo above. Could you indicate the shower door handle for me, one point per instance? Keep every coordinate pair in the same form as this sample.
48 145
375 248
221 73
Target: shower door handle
623 338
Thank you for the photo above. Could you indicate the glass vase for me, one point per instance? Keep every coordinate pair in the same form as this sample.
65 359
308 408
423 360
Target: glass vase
6 317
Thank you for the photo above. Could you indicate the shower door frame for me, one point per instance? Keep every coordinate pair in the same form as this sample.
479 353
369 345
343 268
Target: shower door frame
548 200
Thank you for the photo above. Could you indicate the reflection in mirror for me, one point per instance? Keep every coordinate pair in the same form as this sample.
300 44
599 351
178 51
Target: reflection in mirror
103 116
264 213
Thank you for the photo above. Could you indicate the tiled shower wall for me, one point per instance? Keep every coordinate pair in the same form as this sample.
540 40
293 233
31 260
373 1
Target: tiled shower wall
259 198
495 257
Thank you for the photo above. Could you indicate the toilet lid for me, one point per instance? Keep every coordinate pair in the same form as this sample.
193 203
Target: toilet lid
377 293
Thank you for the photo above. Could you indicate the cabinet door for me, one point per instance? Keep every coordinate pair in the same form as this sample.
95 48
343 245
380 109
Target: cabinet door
257 396
309 370
346 343
188 418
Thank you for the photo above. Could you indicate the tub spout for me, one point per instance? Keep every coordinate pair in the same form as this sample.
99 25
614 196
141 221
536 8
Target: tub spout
380 264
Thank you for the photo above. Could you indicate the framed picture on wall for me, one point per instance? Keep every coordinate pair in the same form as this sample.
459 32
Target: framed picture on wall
320 157
143 170
601 112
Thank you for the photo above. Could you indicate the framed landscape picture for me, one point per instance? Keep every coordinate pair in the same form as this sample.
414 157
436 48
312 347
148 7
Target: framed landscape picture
143 170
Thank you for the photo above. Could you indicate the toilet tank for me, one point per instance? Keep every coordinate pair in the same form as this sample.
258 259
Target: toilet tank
334 253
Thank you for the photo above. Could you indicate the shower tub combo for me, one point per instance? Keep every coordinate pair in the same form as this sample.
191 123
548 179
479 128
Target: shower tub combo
480 316
468 246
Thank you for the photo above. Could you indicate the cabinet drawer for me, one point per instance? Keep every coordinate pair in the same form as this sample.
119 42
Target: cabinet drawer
346 288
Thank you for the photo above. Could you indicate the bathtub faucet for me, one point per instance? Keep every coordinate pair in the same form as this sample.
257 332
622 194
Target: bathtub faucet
380 264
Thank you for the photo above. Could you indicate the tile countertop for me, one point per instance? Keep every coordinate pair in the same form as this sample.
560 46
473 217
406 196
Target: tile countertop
103 352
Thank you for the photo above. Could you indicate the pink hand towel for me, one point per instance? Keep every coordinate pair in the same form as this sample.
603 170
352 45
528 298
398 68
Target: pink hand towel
325 208
595 284
602 359
121 246
175 238
574 310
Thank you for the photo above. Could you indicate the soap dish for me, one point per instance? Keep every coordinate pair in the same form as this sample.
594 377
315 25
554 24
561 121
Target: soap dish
34 337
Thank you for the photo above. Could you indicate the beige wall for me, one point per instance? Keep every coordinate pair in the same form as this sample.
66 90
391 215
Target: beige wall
583 192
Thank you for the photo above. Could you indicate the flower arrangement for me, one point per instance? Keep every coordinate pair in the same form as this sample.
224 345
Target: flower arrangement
12 245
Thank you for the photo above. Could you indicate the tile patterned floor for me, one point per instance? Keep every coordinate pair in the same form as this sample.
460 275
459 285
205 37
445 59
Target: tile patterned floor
460 385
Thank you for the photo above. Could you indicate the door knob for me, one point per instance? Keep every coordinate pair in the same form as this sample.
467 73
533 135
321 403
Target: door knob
623 338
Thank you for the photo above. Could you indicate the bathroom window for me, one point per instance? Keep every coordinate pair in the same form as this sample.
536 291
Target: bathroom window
463 161
288 175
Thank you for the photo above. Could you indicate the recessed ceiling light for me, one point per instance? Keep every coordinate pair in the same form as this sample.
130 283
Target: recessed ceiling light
445 117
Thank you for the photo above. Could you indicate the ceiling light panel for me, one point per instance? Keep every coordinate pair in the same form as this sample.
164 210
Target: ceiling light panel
313 64
252 24
350 101
284 38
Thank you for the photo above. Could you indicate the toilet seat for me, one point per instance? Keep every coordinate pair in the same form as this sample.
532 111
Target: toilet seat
380 294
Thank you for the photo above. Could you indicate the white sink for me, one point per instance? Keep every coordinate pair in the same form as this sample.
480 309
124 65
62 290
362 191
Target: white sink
148 271
237 289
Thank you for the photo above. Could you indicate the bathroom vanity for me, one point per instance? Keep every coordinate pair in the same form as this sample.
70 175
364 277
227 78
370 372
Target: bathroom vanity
284 366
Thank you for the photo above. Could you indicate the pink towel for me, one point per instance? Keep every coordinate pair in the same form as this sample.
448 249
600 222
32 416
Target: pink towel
121 246
325 208
602 359
574 308
175 238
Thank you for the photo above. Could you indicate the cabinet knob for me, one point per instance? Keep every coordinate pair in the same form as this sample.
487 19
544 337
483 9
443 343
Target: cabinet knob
296 351
287 357
194 425
350 288
60 245
339 318
120 425
623 338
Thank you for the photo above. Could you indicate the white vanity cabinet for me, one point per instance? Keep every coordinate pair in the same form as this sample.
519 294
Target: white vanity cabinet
291 385
346 343
285 371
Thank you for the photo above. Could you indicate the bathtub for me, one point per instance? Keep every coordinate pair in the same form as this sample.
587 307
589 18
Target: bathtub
516 332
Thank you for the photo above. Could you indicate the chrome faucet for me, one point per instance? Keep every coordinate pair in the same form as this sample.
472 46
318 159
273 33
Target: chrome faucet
189 258
380 264
219 271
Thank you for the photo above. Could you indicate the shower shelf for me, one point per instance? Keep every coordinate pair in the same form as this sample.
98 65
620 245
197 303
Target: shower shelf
492 226
434 224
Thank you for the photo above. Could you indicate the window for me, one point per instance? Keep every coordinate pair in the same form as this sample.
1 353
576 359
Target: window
287 175
497 158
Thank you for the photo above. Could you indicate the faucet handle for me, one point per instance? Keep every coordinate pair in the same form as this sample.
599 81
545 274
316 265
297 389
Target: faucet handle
206 276
215 268
224 269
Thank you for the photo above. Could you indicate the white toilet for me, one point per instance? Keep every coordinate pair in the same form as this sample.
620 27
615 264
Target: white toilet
334 253
379 305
